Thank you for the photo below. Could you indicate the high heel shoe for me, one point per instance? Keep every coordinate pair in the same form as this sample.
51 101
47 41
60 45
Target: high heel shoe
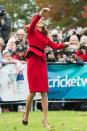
46 124
24 122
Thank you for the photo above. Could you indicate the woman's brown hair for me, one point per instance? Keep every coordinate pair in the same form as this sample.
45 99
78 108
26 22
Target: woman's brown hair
44 30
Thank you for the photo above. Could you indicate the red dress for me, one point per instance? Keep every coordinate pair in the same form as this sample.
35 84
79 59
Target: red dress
37 68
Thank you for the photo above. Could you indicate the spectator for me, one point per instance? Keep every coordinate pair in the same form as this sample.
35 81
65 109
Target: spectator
7 58
83 40
5 24
75 60
82 53
20 54
57 36
70 33
61 57
60 36
74 43
48 50
11 46
51 57
21 38
82 50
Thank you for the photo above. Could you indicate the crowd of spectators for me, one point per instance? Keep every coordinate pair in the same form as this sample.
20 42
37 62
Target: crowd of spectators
13 45
15 49
75 53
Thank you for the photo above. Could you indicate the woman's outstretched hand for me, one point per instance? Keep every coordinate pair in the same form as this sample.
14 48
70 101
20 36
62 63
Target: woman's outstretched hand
44 10
67 44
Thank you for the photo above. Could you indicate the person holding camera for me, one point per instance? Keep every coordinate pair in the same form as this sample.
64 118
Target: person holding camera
82 52
5 24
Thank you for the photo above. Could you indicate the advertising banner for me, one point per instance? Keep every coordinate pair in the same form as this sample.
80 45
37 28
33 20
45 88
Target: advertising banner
67 81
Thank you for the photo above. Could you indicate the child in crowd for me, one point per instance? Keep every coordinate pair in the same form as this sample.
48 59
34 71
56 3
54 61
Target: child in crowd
11 46
20 54
7 58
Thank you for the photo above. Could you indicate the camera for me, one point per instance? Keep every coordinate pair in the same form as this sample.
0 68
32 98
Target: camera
19 42
2 11
82 46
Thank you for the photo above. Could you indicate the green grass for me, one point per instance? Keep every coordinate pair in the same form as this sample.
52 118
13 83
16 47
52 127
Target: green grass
61 120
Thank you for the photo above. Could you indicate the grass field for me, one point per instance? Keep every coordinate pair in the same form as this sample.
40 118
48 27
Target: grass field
61 120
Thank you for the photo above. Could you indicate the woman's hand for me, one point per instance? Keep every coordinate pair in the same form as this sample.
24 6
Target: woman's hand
44 10
67 44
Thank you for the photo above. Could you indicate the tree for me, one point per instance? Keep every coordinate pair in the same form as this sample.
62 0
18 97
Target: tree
20 10
65 13
84 14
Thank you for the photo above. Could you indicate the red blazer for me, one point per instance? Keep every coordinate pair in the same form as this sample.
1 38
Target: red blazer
37 39
82 56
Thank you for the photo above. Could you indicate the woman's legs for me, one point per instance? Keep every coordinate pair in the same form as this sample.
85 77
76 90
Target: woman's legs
28 105
45 106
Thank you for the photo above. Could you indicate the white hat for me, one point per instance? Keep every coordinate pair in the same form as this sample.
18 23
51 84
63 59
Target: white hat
5 52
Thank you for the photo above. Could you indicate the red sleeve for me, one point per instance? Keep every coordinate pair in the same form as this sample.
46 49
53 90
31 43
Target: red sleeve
15 57
55 45
78 52
33 23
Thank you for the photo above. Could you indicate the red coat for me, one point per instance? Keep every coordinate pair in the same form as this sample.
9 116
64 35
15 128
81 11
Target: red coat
82 56
37 67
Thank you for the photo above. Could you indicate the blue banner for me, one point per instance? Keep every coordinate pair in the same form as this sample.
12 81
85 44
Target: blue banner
67 81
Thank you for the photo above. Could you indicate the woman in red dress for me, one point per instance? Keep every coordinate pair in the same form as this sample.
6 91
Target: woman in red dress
37 67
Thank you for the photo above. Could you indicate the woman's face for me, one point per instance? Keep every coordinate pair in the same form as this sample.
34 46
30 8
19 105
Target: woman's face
7 56
12 45
83 39
74 41
40 23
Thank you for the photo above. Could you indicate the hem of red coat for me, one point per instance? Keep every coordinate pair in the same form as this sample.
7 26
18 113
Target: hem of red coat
38 91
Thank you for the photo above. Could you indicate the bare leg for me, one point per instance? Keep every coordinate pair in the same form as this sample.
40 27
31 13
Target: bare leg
45 110
45 106
28 105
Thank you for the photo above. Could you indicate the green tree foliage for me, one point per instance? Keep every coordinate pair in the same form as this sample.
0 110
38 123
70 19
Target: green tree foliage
20 9
84 14
66 13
